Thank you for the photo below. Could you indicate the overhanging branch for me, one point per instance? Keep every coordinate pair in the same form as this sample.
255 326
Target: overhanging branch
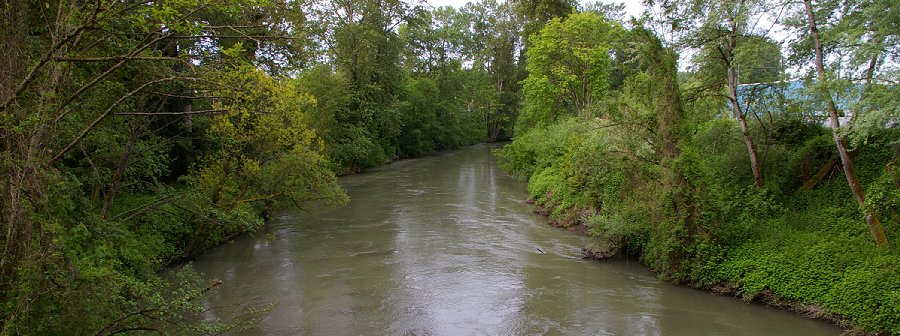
213 111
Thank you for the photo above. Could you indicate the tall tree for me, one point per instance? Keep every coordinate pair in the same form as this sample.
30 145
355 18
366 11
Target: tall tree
433 113
494 49
535 13
840 141
568 69
719 29
361 39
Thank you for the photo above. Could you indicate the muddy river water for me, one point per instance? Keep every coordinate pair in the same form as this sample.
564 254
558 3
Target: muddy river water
445 245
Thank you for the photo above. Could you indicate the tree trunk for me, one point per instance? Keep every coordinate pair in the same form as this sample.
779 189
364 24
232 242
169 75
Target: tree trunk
875 227
820 175
10 46
495 132
120 171
677 227
745 130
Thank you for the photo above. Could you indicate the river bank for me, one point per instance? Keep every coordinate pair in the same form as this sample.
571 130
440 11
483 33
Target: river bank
573 222
696 222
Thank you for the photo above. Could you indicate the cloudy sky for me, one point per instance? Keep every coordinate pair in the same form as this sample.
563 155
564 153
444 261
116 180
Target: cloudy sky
632 7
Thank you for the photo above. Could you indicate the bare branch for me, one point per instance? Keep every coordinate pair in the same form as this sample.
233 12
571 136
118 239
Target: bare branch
137 49
117 58
146 207
256 38
105 114
213 111
172 95
234 26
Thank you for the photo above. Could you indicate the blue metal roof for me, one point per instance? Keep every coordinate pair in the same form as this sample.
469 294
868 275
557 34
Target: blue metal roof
797 91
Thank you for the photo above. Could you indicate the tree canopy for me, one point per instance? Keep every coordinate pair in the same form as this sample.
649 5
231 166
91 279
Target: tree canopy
138 134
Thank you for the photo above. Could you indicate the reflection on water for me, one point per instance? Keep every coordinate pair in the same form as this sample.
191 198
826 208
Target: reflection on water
444 245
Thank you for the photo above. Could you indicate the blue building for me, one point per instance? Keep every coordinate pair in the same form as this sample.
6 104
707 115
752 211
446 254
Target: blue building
795 97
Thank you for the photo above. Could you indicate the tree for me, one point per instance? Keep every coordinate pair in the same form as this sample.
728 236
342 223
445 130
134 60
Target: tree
535 13
494 87
435 40
840 141
98 101
724 33
568 69
363 44
264 152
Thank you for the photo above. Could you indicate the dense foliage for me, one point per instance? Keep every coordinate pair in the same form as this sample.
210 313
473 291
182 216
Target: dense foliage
568 68
137 134
660 171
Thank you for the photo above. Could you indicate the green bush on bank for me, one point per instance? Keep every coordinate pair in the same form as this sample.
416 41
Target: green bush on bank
806 246
844 273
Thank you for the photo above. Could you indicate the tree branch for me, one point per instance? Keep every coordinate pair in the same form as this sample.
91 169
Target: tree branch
47 57
117 58
134 52
104 115
137 49
212 111
171 95
146 207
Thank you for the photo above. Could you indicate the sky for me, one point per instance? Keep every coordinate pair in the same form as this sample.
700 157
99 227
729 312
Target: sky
632 7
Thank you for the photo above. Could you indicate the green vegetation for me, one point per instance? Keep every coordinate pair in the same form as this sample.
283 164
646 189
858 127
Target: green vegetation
659 171
567 68
135 135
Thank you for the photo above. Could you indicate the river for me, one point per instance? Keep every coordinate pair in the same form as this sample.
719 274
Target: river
445 245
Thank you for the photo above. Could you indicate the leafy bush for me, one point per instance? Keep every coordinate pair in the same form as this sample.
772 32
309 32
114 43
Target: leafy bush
539 148
845 274
801 244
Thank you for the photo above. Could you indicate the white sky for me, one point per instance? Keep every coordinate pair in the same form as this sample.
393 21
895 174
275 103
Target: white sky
632 7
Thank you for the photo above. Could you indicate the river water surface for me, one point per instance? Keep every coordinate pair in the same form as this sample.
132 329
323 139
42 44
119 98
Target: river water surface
445 245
